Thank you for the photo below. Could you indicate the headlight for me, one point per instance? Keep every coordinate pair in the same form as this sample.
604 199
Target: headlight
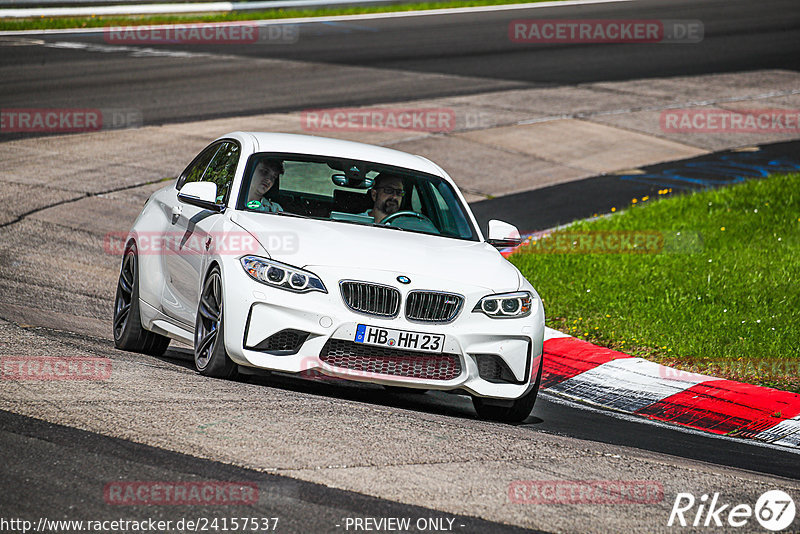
282 276
506 305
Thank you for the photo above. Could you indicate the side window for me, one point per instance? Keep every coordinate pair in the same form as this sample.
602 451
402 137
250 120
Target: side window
450 221
195 171
453 220
444 209
416 203
222 168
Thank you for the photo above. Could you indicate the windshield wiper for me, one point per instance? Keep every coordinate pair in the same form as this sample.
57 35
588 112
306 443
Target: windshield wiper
377 225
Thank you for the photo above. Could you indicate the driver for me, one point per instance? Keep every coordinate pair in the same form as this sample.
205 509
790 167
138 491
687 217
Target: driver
387 193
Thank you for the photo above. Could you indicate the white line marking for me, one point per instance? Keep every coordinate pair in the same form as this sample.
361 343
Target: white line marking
132 50
21 42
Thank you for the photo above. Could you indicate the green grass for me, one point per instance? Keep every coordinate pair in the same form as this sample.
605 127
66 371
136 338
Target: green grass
41 23
723 300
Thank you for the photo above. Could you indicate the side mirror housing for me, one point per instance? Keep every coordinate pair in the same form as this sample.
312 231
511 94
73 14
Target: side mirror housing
503 235
202 195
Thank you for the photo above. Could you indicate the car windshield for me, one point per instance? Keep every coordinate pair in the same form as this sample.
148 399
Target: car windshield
354 192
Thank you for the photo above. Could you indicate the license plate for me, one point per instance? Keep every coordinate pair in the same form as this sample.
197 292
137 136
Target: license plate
399 339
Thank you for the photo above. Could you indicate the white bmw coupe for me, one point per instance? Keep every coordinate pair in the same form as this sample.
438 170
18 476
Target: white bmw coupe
292 253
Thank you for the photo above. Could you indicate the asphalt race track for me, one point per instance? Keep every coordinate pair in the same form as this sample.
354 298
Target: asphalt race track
582 199
385 60
322 452
85 461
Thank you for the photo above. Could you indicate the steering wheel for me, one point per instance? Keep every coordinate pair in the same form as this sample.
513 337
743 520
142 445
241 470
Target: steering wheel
399 214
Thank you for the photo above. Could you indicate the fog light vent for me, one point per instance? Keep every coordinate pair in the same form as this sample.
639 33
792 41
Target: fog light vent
286 341
493 368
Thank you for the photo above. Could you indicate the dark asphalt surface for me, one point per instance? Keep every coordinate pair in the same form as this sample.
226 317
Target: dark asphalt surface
558 418
59 472
385 60
548 207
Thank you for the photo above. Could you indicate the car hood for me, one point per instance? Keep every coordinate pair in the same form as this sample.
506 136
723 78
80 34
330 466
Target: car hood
309 242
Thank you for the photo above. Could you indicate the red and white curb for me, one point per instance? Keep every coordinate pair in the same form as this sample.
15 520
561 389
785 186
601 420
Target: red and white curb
581 371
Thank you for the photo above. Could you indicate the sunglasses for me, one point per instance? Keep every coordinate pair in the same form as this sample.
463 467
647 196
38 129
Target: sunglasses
392 191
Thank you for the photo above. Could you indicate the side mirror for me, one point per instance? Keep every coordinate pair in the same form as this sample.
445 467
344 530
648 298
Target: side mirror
503 235
202 195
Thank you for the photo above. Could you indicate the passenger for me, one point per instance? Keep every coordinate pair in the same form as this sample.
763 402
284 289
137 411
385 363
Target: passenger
387 193
266 174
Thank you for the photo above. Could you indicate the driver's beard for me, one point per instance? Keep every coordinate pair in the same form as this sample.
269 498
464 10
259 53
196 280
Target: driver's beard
389 209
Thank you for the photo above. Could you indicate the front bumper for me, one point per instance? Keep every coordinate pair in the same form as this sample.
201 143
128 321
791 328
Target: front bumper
255 312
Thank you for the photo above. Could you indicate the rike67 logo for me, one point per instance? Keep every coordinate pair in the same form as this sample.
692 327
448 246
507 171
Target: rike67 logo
774 510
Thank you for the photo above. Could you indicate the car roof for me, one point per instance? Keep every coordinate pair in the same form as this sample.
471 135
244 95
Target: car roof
325 146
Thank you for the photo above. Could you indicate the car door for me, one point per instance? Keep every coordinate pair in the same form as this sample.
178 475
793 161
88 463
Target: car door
191 231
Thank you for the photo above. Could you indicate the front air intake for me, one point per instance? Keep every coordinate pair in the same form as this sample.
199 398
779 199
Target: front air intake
393 362
286 341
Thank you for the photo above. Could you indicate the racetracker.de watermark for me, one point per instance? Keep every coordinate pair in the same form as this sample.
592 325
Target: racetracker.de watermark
379 120
730 121
196 243
612 242
225 33
202 493
599 242
67 120
573 31
585 492
54 368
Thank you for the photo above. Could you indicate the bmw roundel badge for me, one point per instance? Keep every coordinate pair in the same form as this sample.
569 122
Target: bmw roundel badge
404 279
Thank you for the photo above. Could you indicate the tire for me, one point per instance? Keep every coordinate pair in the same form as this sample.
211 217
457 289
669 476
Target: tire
129 334
210 357
517 412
